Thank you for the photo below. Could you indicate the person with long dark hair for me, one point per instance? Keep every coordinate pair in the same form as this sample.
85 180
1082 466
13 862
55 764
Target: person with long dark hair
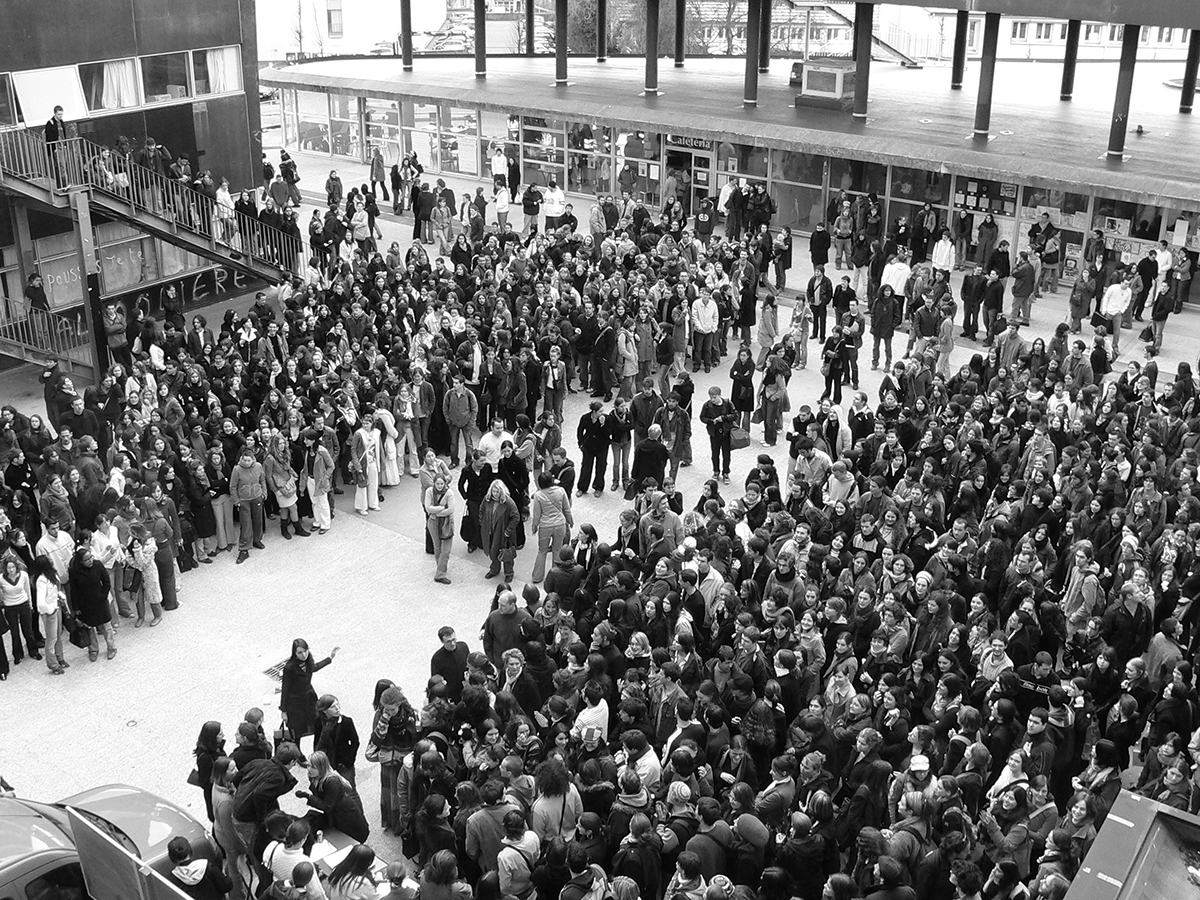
209 746
298 700
353 878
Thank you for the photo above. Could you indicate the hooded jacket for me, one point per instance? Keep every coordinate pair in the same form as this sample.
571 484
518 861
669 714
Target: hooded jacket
202 880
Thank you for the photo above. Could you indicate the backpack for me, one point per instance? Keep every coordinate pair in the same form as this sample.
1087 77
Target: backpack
600 890
924 847
282 890
664 351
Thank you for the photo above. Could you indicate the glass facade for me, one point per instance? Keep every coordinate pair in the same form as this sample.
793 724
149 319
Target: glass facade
590 158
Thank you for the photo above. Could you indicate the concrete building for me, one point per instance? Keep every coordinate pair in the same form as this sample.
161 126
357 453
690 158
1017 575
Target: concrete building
105 229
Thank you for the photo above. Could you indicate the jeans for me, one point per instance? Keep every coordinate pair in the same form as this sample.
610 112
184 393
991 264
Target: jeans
583 366
110 638
1159 328
702 349
1020 308
223 512
52 632
962 246
250 520
467 436
719 444
550 539
620 460
441 546
20 622
389 809
887 346
841 251
820 317
989 323
970 318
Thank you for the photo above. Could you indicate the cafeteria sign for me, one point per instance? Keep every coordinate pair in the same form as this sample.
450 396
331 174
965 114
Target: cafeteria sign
689 143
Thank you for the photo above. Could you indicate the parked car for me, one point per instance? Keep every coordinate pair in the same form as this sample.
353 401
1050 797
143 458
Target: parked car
38 860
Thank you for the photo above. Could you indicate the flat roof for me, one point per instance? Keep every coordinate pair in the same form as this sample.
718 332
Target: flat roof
913 118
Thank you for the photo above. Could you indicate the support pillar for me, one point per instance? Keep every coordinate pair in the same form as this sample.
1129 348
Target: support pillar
560 42
1069 59
680 32
481 38
987 74
601 30
764 40
406 34
864 16
652 10
753 24
1188 93
958 62
1120 116
529 27
89 272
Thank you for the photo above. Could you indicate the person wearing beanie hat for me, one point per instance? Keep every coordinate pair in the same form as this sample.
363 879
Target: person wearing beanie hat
566 576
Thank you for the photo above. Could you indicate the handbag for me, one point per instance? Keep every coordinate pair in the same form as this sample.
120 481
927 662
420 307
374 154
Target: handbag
758 416
1146 334
507 554
739 438
194 778
131 581
1099 321
825 368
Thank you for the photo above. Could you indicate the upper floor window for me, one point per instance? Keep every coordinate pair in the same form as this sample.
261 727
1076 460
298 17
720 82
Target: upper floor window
217 71
333 13
1020 31
110 85
165 77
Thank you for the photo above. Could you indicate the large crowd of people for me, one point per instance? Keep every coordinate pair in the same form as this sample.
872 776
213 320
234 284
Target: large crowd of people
920 659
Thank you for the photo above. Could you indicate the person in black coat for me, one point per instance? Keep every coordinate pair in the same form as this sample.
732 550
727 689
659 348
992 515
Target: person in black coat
89 590
336 736
298 700
334 799
818 245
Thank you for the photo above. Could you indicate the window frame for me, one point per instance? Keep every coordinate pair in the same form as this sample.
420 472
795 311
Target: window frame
1092 32
187 74
211 93
1020 32
331 7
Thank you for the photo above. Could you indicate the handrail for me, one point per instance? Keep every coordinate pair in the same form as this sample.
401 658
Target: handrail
47 332
79 162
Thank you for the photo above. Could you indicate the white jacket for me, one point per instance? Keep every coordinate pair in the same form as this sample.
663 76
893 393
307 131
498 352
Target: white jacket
705 316
555 202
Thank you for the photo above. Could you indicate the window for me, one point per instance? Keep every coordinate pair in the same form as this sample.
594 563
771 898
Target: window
1062 31
1116 32
165 77
8 102
973 34
40 90
1166 35
1091 32
333 14
1044 31
110 85
1020 31
1144 36
217 71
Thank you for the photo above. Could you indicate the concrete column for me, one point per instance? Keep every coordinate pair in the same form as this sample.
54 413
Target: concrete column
1120 116
753 23
406 34
529 25
764 41
560 42
652 10
680 32
987 74
601 30
959 61
481 38
1188 92
864 15
1069 59
89 272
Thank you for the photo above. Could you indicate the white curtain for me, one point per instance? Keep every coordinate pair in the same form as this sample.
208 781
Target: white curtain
224 70
120 84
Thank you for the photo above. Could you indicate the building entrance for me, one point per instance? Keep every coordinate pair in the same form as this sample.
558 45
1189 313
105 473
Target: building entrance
689 160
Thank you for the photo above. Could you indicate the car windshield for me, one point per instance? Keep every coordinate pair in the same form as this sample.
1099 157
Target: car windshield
24 831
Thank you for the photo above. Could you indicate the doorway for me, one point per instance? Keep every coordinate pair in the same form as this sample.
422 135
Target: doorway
693 178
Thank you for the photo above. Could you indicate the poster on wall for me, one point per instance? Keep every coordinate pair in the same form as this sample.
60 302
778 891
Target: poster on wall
1116 226
1072 260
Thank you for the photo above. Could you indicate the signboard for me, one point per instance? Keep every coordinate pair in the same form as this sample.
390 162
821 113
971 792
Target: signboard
198 288
689 143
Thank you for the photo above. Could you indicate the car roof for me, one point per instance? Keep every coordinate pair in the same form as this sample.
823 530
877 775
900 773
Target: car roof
25 829
147 820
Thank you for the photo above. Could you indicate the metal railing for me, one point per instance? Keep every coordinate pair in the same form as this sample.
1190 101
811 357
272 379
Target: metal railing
56 335
78 162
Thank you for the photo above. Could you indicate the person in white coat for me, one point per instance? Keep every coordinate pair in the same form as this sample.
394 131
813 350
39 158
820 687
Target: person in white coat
503 200
365 465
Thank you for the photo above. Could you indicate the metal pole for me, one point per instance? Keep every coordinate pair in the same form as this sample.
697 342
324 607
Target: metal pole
601 30
753 23
529 24
652 9
864 14
406 34
560 42
987 74
480 38
807 30
959 62
1120 116
1188 92
680 36
764 40
1070 56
